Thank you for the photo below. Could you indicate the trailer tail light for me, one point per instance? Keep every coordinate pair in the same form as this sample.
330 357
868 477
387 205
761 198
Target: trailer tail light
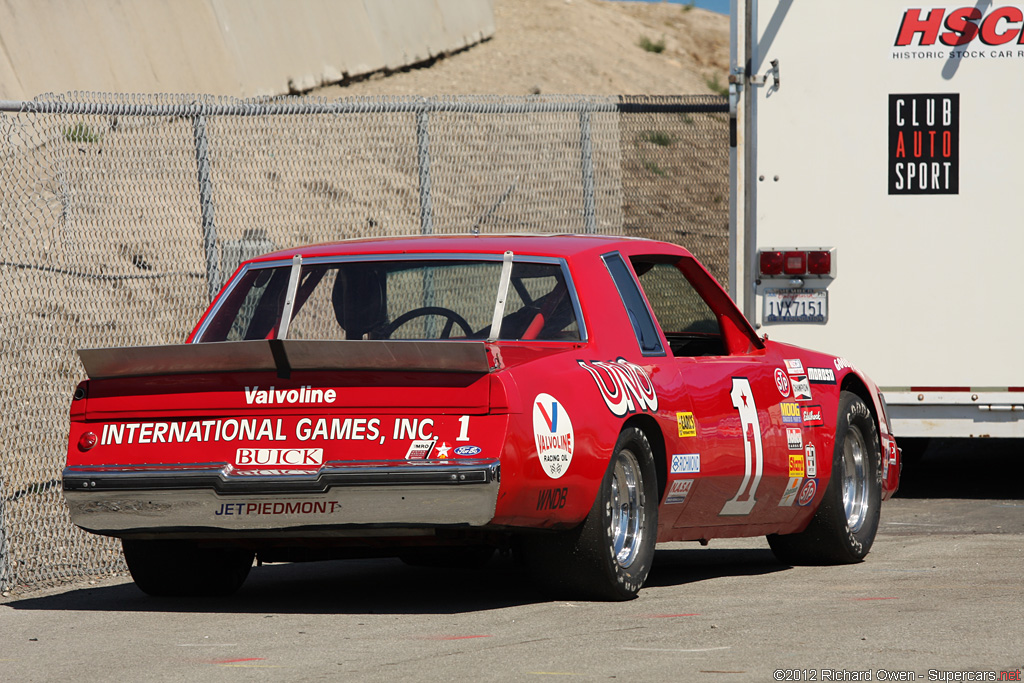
794 263
771 263
819 262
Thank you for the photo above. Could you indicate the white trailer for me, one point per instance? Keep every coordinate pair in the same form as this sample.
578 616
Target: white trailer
881 144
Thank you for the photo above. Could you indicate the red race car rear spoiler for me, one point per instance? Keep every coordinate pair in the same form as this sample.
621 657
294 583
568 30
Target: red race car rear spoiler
284 356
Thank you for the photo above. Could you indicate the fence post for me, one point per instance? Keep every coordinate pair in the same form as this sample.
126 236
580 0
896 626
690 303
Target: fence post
587 167
423 142
206 204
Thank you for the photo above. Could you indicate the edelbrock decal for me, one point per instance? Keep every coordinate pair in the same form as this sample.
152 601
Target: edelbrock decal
625 387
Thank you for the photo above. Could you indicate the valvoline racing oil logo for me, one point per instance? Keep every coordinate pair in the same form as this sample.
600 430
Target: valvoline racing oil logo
552 432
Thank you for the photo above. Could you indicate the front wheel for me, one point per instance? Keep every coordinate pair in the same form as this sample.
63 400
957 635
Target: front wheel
185 569
844 526
609 555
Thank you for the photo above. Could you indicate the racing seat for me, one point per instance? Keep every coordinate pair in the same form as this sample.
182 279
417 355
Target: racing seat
360 300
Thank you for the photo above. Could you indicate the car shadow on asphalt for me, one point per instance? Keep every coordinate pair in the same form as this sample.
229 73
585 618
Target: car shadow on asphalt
675 567
387 586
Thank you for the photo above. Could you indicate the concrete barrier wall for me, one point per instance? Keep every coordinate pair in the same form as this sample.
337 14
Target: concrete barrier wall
227 47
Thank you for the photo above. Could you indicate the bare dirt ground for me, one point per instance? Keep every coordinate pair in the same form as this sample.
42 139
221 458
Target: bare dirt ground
575 47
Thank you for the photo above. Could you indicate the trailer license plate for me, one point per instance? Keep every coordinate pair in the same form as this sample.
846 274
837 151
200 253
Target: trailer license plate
795 306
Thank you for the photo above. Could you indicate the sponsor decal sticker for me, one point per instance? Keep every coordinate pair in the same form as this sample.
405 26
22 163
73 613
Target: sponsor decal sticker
553 435
795 438
552 499
782 382
465 451
810 487
274 396
790 413
625 387
801 388
678 491
420 450
841 363
283 457
821 376
325 507
789 495
812 416
794 366
442 450
811 459
796 465
688 463
687 424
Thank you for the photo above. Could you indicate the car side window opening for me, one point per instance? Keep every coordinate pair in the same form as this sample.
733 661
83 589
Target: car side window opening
644 327
687 321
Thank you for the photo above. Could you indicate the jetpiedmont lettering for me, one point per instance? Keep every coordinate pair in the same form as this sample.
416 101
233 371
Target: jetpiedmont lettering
297 508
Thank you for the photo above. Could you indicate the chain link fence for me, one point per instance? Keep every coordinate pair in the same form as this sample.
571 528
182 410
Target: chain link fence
121 216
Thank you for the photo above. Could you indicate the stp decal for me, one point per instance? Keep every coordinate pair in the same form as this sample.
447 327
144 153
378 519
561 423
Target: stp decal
782 382
625 387
553 435
807 493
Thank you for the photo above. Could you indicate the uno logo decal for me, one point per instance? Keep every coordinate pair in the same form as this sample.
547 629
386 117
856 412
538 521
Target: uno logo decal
782 382
553 435
624 386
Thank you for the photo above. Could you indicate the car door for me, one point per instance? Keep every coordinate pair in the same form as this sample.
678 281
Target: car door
741 470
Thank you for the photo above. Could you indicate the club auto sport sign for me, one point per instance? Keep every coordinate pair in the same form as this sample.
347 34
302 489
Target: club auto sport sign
924 144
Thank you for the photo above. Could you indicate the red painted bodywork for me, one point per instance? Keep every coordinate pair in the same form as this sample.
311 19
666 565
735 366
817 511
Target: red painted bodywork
501 405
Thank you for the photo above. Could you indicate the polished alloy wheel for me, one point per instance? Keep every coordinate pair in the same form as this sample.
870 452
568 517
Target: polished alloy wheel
855 479
627 509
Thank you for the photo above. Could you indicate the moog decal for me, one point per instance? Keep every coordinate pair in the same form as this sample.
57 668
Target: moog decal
625 387
553 435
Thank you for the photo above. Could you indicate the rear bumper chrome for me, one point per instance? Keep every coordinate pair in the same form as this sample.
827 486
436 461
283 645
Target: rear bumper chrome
123 501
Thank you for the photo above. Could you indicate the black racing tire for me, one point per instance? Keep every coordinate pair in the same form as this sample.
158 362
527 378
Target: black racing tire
844 526
609 555
185 569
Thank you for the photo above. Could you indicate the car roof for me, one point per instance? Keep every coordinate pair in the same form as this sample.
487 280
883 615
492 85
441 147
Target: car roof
552 245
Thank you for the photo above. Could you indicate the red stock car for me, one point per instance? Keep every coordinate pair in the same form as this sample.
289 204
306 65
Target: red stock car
574 398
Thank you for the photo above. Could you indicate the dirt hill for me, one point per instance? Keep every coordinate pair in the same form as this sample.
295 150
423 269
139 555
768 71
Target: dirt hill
579 47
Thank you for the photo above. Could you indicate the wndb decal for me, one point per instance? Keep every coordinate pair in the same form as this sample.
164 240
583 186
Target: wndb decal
553 435
625 387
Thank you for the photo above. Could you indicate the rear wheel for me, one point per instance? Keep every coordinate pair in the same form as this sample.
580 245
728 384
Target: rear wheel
183 568
609 555
844 526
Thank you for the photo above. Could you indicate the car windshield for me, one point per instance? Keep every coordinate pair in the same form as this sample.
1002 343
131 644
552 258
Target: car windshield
397 299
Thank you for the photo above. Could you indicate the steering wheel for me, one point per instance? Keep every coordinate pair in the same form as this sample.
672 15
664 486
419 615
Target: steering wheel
453 319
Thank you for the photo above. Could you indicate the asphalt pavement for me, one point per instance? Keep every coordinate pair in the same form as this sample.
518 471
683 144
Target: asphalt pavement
938 598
